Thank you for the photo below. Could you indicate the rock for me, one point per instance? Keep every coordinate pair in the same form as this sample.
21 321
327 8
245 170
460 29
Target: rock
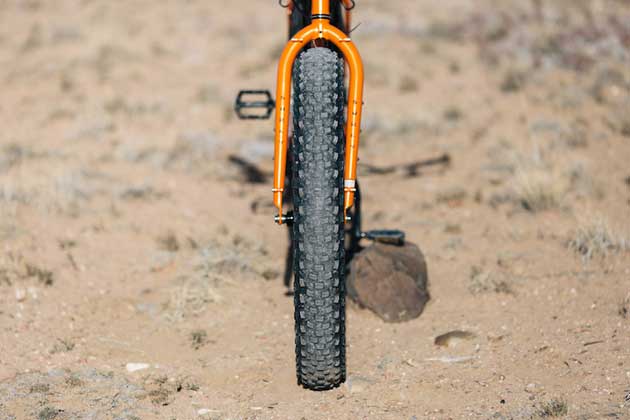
390 280
134 367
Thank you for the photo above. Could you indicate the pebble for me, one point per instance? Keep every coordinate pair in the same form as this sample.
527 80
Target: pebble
134 367
206 411
533 388
450 359
20 295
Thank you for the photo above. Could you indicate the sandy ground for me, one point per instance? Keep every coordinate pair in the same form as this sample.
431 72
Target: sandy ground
130 237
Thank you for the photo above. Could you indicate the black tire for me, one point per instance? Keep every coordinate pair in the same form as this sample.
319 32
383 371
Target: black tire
318 227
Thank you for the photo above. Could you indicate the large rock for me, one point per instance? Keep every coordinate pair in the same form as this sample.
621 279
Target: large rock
390 280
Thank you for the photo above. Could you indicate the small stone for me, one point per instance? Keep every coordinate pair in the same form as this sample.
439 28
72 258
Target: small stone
134 367
206 412
533 388
20 295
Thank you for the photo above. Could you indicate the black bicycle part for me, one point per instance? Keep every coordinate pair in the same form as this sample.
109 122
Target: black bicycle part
262 101
385 236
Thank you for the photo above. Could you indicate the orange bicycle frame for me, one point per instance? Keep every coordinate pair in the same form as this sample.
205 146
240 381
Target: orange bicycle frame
319 29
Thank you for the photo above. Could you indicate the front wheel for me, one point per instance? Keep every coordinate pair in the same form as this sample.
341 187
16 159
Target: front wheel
317 186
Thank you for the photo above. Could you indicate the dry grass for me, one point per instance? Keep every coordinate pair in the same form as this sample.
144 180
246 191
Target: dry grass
582 183
198 339
538 183
553 408
538 189
624 308
191 298
168 242
487 282
596 238
213 265
15 268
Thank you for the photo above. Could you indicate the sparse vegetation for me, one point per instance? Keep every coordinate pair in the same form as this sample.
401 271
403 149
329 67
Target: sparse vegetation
513 81
62 346
481 281
191 297
595 238
73 381
539 190
40 388
582 183
408 84
48 413
451 196
168 242
14 267
199 338
453 114
43 275
552 408
624 308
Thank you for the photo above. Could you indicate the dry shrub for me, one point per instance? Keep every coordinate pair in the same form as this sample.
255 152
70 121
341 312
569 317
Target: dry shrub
595 238
487 282
191 298
624 309
553 408
539 189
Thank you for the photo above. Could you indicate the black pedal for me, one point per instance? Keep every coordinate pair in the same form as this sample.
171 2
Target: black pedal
392 237
254 105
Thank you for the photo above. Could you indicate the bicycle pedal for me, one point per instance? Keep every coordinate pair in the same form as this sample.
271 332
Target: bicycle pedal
392 237
250 101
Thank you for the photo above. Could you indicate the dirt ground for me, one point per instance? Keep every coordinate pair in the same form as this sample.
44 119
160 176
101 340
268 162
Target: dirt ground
141 271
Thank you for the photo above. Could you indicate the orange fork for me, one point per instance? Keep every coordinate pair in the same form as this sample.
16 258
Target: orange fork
319 29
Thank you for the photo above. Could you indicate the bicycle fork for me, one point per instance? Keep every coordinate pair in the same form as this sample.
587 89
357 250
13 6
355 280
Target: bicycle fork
319 29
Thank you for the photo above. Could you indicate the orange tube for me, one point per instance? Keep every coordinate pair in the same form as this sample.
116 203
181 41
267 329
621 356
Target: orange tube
319 29
320 7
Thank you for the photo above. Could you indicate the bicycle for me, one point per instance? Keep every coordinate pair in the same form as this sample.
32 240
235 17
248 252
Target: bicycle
322 158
